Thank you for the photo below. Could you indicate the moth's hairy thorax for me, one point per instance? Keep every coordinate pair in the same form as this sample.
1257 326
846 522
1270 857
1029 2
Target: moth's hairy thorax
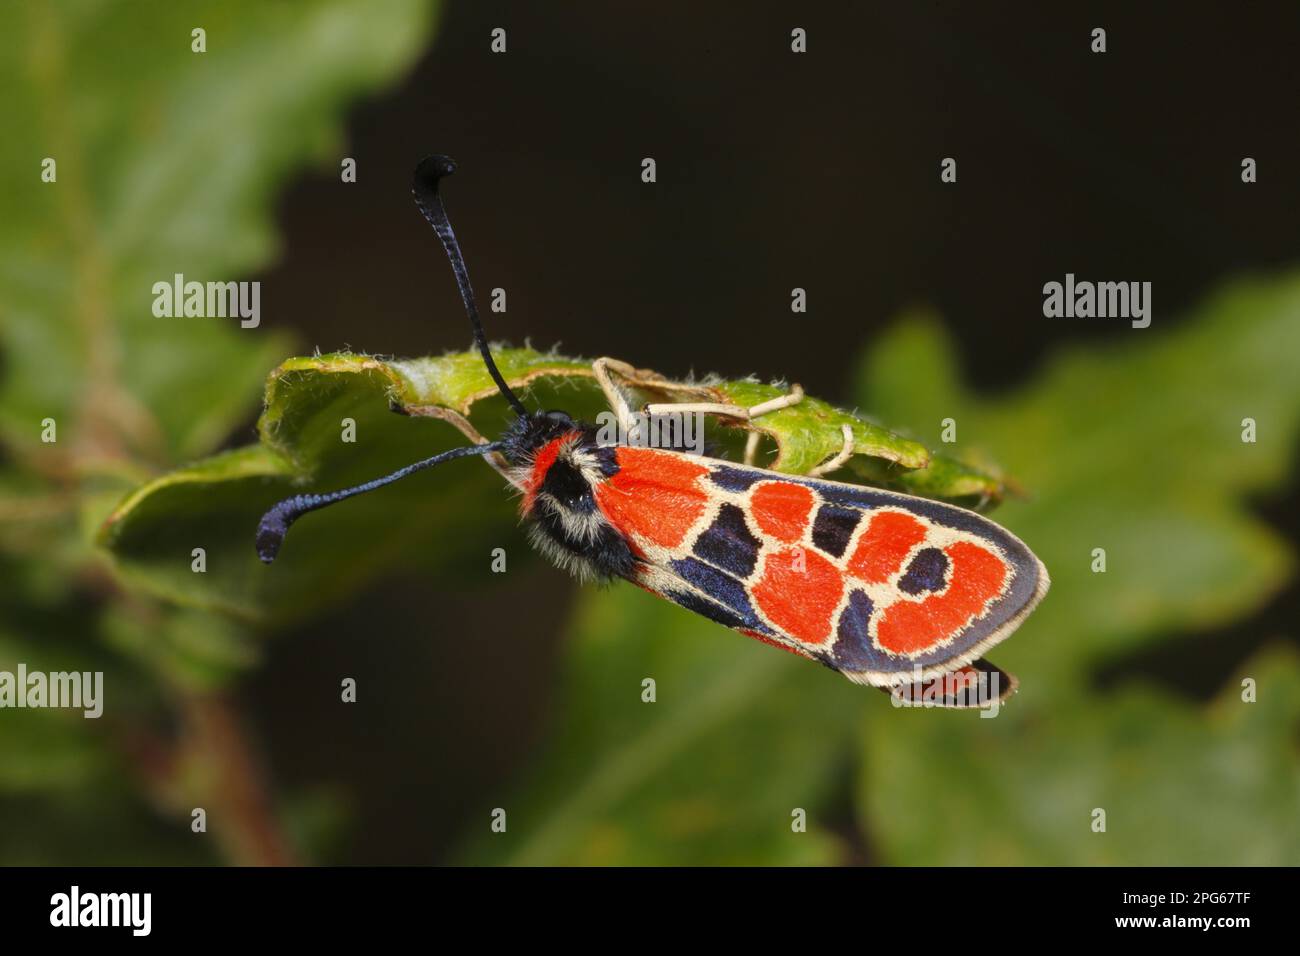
558 464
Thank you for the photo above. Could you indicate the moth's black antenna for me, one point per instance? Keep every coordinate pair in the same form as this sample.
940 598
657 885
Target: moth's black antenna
425 190
275 523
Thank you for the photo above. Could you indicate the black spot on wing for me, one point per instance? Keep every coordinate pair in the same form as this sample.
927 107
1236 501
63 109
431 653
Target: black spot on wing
852 649
728 543
720 586
706 608
925 572
833 527
606 459
736 479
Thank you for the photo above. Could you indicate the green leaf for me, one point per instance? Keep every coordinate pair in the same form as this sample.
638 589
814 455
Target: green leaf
810 432
167 167
49 748
148 186
168 161
215 504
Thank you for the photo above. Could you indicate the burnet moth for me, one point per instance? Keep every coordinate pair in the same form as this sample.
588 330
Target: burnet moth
894 591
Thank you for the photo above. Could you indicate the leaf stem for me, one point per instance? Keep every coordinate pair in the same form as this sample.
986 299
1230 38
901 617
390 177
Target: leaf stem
241 815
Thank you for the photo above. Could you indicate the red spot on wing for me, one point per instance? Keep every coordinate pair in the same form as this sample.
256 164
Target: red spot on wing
542 463
799 592
907 627
967 686
884 545
956 682
781 509
654 495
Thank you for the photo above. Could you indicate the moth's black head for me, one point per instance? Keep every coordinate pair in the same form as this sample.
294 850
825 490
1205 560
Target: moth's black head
528 433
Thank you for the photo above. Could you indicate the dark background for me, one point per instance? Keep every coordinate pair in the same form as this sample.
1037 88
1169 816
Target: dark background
775 170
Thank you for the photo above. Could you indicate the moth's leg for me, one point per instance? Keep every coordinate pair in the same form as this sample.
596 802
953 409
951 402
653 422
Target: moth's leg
461 424
840 458
793 397
604 369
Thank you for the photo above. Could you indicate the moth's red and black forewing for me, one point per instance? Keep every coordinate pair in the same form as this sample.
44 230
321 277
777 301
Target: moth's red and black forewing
878 585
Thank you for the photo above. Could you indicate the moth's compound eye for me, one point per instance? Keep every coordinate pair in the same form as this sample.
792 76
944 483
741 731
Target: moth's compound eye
558 417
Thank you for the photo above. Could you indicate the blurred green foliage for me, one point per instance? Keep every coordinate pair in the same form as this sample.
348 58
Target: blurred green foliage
167 162
1136 449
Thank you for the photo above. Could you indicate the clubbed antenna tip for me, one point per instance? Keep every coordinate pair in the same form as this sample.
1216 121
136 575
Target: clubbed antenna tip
428 172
